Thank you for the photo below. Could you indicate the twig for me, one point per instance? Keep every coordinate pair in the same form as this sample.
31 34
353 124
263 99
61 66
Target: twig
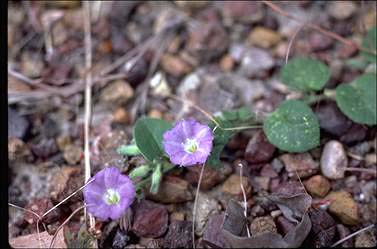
291 42
369 171
196 204
210 117
65 199
328 33
88 95
352 235
244 199
39 218
65 222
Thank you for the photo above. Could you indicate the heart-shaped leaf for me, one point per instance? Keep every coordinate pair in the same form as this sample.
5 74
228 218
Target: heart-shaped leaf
292 127
305 74
148 134
358 99
370 43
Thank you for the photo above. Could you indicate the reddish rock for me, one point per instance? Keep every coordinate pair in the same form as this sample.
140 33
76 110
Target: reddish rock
179 235
318 41
284 225
208 41
211 177
258 149
346 51
244 11
44 148
268 171
303 163
172 190
213 236
150 219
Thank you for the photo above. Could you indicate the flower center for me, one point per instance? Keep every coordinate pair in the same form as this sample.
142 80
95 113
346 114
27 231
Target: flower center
111 197
190 145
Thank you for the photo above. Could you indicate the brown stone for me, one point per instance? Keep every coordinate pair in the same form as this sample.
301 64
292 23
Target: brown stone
262 224
120 115
303 163
172 190
232 186
175 65
344 207
117 92
226 63
317 185
259 150
150 219
211 177
264 37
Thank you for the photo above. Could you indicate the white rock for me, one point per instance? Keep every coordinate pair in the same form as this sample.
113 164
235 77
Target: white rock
333 160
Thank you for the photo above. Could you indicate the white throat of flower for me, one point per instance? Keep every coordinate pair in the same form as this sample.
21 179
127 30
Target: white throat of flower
111 197
190 146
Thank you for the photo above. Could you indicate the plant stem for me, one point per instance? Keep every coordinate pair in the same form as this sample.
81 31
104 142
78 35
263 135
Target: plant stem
370 171
196 204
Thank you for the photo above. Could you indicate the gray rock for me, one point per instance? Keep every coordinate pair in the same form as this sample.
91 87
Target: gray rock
206 207
17 125
333 160
255 62
262 225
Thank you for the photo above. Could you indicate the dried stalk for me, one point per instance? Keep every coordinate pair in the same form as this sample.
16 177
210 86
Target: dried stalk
196 205
88 96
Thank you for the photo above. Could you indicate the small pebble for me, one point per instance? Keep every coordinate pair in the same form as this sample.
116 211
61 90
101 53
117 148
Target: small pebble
333 160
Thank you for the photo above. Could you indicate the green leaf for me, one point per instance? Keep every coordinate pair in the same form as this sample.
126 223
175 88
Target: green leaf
292 127
358 99
370 43
227 119
148 134
305 74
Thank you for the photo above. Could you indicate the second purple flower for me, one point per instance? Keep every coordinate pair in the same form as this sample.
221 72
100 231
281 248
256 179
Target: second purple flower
188 143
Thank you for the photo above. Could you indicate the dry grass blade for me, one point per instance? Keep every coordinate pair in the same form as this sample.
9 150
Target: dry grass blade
352 235
34 213
244 199
196 205
88 95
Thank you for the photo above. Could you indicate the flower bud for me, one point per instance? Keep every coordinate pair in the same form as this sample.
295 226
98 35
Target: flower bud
140 171
129 150
156 179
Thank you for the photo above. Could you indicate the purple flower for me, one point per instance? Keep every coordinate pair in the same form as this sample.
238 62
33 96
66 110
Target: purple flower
109 194
188 143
